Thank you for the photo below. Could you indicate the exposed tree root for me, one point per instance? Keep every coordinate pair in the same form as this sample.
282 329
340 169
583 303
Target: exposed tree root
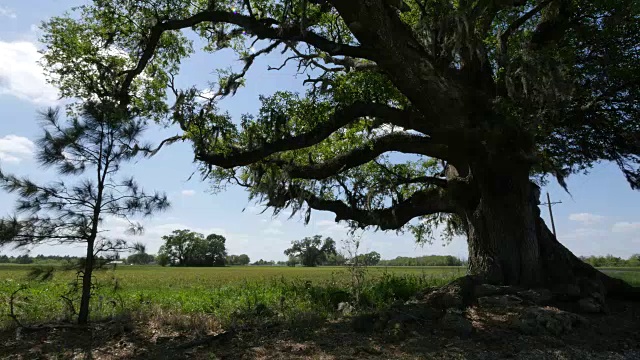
562 269
565 278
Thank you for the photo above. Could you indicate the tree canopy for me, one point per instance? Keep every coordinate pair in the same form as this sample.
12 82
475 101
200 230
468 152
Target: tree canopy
483 95
559 79
311 251
140 256
242 259
368 259
189 248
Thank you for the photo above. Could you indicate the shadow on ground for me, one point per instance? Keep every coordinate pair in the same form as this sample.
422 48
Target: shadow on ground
615 335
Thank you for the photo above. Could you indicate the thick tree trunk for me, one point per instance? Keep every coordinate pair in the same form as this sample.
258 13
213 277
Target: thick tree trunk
509 243
501 229
83 315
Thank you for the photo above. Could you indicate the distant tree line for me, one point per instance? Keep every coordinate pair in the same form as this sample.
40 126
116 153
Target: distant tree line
39 259
333 259
429 260
265 263
612 261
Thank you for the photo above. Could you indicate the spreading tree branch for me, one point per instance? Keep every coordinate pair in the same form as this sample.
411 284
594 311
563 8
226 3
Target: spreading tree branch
415 71
341 117
149 152
421 203
403 180
400 142
261 28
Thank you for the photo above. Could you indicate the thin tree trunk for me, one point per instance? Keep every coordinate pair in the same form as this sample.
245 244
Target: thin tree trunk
83 315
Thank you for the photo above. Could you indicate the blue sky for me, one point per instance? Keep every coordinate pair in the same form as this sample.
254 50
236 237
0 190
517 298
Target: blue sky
601 216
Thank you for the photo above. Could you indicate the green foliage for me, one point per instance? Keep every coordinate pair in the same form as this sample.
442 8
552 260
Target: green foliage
262 262
89 55
58 260
612 261
163 259
242 259
429 260
336 259
369 259
188 248
215 246
292 261
23 259
312 251
547 86
140 259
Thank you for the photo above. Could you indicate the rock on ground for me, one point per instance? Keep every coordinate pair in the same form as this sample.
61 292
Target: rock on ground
541 320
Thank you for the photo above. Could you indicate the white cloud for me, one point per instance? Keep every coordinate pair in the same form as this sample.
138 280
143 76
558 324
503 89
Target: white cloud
188 192
21 76
253 209
586 218
15 148
387 129
259 210
619 240
330 226
272 231
626 227
286 213
153 233
7 12
274 227
325 223
206 94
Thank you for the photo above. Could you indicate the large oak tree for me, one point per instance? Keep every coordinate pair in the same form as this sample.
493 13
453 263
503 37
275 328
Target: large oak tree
491 98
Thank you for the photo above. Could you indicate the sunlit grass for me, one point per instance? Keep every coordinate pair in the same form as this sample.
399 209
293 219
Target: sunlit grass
220 292
224 294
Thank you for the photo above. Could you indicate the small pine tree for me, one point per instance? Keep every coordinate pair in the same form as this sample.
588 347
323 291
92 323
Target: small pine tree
92 149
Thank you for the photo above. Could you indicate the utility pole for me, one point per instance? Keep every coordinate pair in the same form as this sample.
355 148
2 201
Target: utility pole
549 203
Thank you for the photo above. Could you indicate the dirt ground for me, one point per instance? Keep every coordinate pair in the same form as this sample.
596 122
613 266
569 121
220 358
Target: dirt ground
615 335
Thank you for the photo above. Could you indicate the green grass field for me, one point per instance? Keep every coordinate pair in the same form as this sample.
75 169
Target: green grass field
224 293
221 292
